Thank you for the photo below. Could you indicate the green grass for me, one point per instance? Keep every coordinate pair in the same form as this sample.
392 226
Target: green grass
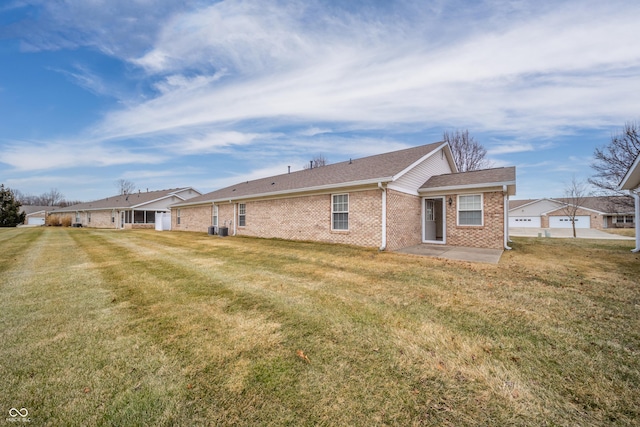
144 328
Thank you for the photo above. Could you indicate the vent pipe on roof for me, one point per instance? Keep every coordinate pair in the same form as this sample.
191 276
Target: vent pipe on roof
310 164
289 169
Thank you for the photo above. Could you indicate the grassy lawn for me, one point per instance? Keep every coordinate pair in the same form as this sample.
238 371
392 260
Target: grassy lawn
146 328
628 232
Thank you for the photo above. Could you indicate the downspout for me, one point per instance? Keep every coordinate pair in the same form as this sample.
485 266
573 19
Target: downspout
383 239
636 199
235 228
506 217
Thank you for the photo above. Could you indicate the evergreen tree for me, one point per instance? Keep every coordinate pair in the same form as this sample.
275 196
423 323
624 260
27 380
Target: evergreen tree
10 215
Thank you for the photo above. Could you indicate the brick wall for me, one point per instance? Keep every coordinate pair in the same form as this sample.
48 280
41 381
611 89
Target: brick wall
309 218
404 220
192 218
490 235
99 219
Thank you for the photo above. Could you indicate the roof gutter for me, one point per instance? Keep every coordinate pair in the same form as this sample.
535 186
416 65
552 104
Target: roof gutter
504 186
285 192
505 195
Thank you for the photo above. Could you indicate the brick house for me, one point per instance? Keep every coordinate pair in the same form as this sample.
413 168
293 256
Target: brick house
388 201
594 212
134 210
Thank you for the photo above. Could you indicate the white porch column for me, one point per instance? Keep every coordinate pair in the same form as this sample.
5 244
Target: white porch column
636 219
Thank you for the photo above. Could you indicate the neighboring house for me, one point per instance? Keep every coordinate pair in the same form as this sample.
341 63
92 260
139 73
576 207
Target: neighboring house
594 212
36 215
631 183
135 210
387 201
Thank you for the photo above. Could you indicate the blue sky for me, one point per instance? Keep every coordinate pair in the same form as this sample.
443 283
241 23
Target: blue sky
204 94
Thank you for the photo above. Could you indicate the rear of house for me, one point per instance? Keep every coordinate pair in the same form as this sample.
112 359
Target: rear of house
122 211
385 201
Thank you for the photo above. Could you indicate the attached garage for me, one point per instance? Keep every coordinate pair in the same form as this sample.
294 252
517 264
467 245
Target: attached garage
524 221
35 220
582 221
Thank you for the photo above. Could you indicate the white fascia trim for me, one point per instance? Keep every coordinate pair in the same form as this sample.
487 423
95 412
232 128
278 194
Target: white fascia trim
486 185
373 181
627 176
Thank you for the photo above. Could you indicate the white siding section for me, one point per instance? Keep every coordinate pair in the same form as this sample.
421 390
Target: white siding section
188 193
411 181
159 205
535 209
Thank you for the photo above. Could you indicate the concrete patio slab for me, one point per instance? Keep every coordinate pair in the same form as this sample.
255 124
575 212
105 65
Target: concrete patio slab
489 256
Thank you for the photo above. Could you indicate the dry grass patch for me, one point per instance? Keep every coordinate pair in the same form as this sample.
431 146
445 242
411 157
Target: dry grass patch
185 328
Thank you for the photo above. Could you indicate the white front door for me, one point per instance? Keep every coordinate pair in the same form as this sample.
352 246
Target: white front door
434 222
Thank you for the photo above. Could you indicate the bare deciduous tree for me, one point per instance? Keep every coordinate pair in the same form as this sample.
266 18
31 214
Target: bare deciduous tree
51 198
125 186
613 160
468 154
575 194
316 162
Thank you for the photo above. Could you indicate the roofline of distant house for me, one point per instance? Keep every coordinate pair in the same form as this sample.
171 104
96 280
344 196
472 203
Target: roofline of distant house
360 183
173 193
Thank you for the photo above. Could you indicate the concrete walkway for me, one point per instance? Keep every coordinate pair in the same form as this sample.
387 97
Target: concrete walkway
489 256
582 233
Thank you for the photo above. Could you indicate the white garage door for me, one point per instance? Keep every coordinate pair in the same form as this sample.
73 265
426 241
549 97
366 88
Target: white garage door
35 221
524 221
565 222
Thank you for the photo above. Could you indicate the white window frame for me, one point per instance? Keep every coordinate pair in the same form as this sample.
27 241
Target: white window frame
335 212
214 220
458 210
178 217
242 214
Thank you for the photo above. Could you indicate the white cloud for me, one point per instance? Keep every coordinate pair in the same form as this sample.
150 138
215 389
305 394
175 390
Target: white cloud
532 75
35 155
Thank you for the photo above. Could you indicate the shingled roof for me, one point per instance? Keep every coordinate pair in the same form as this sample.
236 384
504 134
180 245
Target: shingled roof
123 201
379 168
472 179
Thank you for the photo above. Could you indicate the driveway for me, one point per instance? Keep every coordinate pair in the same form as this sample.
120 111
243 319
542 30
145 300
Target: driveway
582 233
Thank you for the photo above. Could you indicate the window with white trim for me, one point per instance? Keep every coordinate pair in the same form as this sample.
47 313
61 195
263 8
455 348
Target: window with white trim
178 217
470 210
242 215
340 212
214 220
